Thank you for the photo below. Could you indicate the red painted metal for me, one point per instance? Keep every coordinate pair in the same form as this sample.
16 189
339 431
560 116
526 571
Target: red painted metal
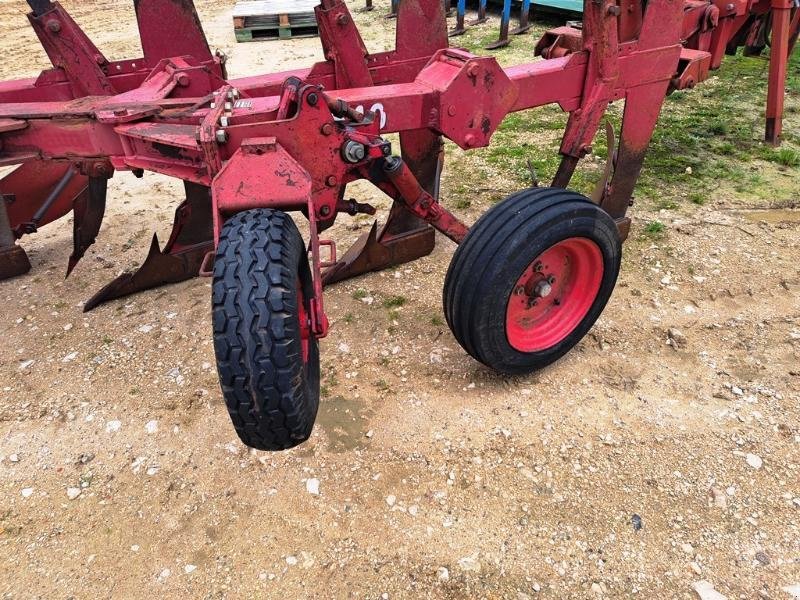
553 295
294 140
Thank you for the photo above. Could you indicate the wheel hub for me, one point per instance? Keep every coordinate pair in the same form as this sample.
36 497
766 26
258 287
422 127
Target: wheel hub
554 294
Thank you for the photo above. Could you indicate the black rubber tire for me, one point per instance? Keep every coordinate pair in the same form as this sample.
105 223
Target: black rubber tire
495 253
271 393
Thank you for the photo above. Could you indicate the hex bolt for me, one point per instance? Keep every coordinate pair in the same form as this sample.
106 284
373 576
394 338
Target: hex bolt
312 99
222 136
327 129
551 280
183 80
224 121
53 26
613 11
331 181
325 211
537 267
353 152
520 290
342 20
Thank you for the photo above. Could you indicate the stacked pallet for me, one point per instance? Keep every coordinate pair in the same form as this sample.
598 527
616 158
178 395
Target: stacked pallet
274 19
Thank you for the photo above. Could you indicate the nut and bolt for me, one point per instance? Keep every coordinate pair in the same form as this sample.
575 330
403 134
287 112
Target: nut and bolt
53 26
327 129
331 181
224 121
312 99
183 80
222 136
325 211
354 152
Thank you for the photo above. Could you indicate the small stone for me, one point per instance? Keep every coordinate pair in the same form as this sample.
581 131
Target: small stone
145 329
153 470
113 426
135 548
391 499
637 523
695 567
27 492
368 300
718 497
164 573
754 461
676 338
705 591
68 327
370 433
796 502
793 590
189 569
536 587
737 391
344 348
73 492
151 427
470 564
763 558
687 548
596 589
312 486
69 357
14 458
413 510
291 560
688 170
26 364
442 574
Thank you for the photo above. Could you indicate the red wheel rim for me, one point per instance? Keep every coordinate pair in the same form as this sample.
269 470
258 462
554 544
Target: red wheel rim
554 294
305 325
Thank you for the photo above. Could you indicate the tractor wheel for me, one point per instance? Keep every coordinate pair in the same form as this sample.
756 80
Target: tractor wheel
531 278
267 357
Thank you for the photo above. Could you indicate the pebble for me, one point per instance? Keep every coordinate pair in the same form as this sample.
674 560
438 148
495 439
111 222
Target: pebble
291 560
793 590
145 329
69 357
470 564
312 486
27 492
596 589
536 587
754 461
26 364
695 567
73 492
68 327
165 573
344 348
391 499
189 569
14 458
687 548
442 574
796 502
718 497
676 338
151 426
368 300
135 548
113 426
705 591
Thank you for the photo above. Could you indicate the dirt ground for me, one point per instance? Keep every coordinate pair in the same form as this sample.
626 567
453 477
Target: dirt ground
661 452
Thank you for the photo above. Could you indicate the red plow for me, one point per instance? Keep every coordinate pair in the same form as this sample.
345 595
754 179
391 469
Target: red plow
527 281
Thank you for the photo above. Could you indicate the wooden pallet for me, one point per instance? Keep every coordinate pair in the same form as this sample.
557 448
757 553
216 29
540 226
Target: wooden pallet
274 19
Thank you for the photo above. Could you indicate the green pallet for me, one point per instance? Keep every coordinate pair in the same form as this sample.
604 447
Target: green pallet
250 34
